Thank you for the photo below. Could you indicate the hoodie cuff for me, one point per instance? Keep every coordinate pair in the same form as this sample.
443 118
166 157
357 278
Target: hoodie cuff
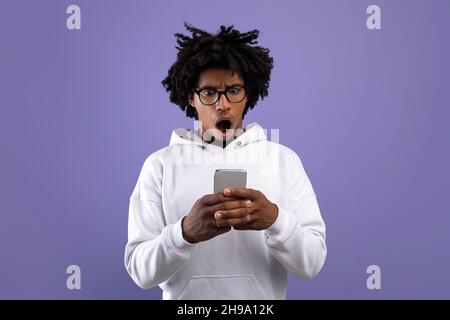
178 244
282 228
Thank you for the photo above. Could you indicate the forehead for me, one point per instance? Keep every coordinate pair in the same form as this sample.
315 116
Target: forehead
218 78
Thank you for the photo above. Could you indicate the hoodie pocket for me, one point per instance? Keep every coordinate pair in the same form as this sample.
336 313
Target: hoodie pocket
217 287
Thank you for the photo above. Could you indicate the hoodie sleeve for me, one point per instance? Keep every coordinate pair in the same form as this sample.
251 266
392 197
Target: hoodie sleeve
297 237
155 250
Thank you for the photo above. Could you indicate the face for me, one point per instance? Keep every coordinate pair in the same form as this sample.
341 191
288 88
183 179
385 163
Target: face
222 115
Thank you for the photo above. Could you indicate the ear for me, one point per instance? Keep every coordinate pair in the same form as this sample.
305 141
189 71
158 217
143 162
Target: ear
191 100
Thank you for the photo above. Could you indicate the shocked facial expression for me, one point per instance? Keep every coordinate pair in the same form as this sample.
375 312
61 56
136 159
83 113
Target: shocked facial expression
220 100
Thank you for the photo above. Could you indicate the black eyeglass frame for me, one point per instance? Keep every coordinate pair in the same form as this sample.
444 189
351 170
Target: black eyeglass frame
220 92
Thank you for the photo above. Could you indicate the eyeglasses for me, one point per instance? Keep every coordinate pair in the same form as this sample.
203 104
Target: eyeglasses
210 96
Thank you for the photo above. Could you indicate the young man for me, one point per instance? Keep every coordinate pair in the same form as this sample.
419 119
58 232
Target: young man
241 242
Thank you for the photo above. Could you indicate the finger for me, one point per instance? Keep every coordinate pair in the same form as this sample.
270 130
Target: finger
234 222
233 214
240 193
226 205
215 198
229 205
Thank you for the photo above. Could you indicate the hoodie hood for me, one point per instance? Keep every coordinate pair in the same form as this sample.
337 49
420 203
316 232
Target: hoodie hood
253 133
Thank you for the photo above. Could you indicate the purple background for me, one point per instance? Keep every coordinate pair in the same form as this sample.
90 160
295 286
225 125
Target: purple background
367 111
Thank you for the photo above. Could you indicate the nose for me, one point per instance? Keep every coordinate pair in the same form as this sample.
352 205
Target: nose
222 103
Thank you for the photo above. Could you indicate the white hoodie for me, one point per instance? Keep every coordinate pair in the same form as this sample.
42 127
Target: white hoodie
237 264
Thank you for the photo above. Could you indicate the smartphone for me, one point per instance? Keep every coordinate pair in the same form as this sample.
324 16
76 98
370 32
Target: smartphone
231 178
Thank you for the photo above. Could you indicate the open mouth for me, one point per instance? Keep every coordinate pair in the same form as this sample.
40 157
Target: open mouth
223 125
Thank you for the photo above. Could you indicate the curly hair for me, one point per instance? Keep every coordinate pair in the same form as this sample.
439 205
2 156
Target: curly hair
228 49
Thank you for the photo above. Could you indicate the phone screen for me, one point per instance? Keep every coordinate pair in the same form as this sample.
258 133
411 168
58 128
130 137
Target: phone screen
231 178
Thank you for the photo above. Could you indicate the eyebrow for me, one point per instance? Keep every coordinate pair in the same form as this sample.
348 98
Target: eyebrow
226 87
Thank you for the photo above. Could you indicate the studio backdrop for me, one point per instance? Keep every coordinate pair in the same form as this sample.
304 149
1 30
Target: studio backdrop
359 90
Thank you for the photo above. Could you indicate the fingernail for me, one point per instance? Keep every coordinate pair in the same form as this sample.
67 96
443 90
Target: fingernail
248 203
218 215
226 190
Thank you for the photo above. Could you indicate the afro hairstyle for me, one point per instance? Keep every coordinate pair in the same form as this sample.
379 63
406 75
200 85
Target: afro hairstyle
229 49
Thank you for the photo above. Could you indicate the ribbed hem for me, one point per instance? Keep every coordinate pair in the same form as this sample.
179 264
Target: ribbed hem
282 228
178 244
